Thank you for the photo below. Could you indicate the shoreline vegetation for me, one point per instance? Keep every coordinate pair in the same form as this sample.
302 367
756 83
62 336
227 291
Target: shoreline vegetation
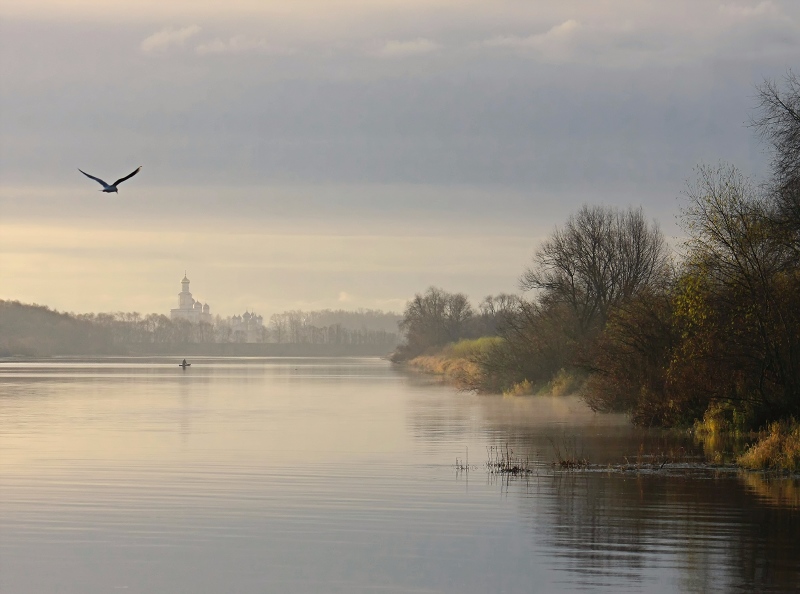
461 364
775 448
704 338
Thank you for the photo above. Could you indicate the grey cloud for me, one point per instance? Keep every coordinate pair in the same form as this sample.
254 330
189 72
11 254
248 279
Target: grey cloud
168 37
646 36
471 114
552 40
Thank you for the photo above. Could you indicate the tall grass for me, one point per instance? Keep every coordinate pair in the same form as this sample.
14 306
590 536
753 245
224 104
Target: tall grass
471 349
468 364
459 363
777 449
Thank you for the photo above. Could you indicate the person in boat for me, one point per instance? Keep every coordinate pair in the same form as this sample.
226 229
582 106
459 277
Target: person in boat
185 364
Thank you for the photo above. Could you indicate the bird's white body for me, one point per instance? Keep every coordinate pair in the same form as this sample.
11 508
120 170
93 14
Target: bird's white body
111 187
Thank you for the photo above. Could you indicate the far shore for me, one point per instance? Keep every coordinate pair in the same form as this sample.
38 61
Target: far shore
216 350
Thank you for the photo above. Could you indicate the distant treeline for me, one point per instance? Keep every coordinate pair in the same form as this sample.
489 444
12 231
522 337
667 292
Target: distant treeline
711 334
335 327
35 330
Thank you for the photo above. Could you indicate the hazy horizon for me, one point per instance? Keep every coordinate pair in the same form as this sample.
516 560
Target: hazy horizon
349 154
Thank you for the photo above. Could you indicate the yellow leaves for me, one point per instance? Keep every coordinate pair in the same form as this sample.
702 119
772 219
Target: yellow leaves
778 449
692 309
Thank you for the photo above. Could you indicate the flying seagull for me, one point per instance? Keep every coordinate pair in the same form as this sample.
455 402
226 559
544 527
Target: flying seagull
112 187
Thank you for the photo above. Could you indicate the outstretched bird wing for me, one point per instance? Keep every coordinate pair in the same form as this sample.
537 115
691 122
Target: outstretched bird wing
97 179
130 175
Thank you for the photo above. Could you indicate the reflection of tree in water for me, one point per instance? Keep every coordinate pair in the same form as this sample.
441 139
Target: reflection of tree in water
696 532
773 491
769 550
537 426
701 533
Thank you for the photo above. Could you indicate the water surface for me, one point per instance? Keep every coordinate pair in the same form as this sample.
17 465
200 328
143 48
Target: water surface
338 475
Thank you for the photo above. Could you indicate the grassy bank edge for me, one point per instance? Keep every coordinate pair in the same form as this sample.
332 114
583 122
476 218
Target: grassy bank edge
459 365
776 448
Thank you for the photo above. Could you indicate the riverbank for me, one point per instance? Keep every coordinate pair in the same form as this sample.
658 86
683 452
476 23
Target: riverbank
775 448
463 365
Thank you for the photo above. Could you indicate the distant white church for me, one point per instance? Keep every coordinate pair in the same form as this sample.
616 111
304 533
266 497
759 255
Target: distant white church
248 327
188 308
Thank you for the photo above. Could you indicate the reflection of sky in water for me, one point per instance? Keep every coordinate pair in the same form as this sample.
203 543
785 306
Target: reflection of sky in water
314 475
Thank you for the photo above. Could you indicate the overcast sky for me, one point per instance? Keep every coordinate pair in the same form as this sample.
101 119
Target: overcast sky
349 153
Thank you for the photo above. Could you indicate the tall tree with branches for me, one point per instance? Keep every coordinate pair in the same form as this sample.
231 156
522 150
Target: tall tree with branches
599 258
778 123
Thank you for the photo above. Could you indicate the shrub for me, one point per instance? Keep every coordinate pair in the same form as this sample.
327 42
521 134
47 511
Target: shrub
523 388
778 449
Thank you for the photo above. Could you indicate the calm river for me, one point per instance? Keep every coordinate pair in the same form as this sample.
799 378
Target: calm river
339 475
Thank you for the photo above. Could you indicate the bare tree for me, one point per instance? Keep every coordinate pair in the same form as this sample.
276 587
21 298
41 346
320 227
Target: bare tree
600 257
458 312
495 311
778 123
434 319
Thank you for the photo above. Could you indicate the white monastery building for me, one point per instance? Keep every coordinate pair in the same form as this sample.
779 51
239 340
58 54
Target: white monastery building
248 326
188 308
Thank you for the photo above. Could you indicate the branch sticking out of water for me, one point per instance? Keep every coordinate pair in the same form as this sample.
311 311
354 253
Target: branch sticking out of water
566 458
463 465
503 461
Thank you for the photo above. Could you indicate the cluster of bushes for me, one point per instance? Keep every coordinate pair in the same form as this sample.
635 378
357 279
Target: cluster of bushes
721 338
666 338
724 334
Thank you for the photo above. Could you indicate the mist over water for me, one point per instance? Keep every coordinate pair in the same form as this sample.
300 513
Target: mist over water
338 475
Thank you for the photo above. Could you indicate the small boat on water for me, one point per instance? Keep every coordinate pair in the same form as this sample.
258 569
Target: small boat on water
184 364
